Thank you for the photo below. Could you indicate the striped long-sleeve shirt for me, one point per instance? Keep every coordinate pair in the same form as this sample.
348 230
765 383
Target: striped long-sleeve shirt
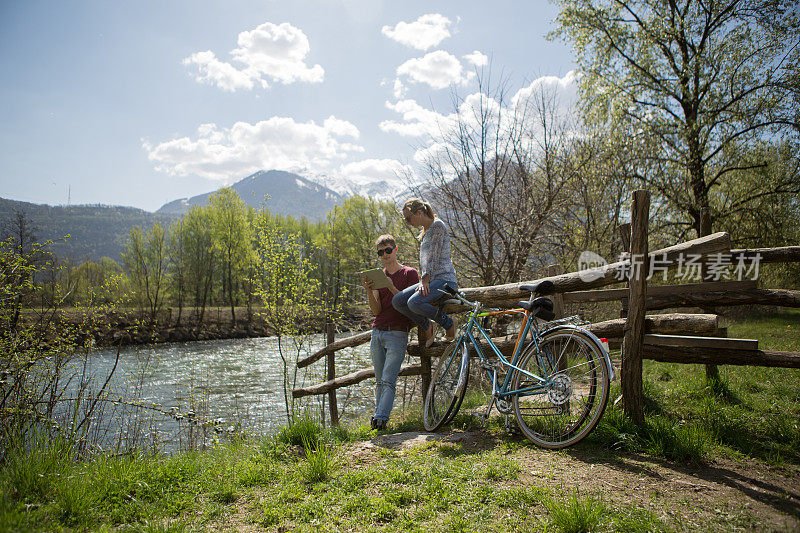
434 253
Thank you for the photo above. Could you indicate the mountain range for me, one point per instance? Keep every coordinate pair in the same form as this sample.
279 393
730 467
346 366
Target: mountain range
96 231
281 192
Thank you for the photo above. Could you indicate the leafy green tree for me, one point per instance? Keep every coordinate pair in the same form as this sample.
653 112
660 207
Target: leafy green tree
289 293
688 79
176 265
349 240
232 240
201 261
145 261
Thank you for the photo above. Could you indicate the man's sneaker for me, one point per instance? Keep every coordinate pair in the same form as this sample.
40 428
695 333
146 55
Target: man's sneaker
380 424
373 422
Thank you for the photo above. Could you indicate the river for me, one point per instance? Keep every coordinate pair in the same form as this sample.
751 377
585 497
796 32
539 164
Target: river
237 383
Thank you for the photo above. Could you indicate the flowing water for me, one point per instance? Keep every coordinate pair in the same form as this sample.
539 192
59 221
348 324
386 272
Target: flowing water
236 383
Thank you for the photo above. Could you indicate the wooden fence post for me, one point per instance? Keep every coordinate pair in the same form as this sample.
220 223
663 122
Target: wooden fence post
625 238
712 371
331 331
632 348
425 367
558 299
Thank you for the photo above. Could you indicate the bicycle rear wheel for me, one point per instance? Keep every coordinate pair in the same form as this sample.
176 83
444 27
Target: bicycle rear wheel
562 408
448 385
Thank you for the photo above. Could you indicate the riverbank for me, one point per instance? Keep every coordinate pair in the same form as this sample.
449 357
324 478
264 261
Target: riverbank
124 327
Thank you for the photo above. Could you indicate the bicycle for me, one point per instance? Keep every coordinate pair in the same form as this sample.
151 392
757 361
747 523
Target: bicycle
556 385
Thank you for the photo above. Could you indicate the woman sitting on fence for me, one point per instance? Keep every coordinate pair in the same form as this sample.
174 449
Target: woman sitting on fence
389 329
436 271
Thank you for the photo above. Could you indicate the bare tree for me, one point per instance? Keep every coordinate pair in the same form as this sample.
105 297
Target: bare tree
498 172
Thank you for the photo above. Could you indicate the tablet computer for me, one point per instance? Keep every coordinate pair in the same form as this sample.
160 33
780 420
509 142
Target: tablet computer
379 279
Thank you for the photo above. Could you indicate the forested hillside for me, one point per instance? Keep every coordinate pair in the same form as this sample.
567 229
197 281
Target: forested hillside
94 231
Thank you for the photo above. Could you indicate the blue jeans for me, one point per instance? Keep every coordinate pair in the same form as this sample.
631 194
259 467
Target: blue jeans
388 349
419 308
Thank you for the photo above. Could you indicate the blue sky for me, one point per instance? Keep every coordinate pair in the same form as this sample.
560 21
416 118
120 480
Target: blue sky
142 102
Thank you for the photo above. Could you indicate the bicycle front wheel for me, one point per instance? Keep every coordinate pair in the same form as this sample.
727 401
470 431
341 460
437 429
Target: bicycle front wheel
447 387
568 396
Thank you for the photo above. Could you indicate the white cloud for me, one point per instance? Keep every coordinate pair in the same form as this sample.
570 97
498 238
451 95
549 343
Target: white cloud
425 32
477 59
438 69
271 51
213 71
399 90
565 89
227 154
417 121
560 95
374 170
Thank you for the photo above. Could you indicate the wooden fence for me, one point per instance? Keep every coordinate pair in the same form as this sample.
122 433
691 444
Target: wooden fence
675 337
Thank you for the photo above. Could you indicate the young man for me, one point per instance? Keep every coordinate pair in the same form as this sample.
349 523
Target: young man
389 329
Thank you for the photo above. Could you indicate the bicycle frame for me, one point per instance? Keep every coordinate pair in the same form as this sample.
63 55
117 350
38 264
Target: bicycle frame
528 325
560 386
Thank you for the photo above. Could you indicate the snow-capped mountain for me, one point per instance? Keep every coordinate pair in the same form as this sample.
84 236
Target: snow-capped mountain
381 188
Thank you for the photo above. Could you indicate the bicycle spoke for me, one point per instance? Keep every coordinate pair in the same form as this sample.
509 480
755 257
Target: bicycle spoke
447 388
575 395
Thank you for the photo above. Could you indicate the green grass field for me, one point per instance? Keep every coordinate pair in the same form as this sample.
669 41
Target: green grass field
310 479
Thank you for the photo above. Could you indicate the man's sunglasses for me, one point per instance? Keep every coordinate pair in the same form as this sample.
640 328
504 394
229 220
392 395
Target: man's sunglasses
386 251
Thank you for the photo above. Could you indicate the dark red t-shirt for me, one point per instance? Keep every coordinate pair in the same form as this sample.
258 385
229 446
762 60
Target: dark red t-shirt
389 316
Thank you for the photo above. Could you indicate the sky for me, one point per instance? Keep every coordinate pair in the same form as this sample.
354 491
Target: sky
139 103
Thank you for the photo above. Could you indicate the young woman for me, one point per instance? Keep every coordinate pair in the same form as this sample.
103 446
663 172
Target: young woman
436 271
389 329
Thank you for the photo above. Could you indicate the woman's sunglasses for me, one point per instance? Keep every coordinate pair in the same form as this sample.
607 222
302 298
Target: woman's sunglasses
386 251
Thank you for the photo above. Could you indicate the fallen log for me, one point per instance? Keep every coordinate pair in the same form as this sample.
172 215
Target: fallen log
666 324
724 356
350 379
509 294
348 342
692 341
609 295
782 254
779 297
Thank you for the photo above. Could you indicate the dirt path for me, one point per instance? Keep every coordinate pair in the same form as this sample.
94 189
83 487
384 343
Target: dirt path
762 497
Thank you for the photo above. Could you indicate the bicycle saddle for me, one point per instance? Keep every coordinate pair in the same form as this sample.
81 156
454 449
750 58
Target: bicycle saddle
540 307
543 287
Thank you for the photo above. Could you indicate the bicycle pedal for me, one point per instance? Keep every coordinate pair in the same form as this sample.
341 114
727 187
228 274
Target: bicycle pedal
511 427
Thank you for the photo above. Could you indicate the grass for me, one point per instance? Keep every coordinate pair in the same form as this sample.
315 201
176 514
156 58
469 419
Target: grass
433 487
750 412
302 479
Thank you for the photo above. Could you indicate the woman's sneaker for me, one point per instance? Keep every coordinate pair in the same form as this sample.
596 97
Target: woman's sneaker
431 334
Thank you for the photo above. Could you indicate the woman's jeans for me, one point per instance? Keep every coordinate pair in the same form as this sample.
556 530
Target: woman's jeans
419 308
388 349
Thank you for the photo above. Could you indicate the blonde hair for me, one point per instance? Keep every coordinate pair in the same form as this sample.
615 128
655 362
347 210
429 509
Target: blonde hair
417 204
385 239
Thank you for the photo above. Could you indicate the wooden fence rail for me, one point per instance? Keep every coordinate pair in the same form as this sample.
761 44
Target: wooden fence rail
350 379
